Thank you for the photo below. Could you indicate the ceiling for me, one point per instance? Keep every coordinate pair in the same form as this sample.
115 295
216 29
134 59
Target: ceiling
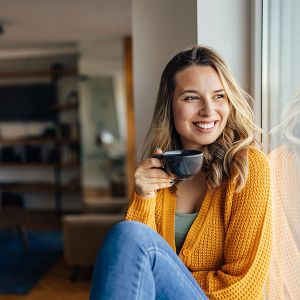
49 23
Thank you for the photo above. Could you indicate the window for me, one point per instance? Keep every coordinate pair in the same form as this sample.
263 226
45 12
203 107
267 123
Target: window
281 119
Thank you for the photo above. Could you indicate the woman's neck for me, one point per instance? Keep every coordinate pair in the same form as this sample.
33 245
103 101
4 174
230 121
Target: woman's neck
190 194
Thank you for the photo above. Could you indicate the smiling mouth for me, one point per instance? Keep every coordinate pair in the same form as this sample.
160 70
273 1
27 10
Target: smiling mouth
205 125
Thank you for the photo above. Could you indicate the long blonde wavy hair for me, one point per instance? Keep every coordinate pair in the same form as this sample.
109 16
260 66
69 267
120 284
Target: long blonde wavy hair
227 156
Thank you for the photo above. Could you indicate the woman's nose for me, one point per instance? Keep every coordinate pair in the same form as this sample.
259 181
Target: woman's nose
206 109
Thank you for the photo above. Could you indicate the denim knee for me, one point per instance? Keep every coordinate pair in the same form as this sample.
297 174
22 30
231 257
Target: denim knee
131 231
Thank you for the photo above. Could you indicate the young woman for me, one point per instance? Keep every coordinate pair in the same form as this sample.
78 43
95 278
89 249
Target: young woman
207 237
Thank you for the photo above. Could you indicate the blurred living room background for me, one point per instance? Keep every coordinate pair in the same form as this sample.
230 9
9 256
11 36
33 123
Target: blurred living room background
65 69
78 84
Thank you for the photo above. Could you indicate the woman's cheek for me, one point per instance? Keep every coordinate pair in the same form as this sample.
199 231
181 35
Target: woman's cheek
225 110
184 113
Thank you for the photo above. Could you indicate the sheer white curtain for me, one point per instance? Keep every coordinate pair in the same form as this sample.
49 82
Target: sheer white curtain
281 96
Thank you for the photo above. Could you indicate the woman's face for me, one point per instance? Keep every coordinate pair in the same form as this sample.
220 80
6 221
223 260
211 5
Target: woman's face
200 106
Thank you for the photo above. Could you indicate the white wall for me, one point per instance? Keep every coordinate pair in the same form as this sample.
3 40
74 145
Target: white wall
226 27
160 29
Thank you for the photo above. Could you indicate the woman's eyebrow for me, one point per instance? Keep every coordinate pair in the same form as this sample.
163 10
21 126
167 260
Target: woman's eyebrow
195 91
188 91
218 91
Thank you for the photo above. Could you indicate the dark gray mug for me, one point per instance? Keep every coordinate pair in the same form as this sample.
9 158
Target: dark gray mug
181 164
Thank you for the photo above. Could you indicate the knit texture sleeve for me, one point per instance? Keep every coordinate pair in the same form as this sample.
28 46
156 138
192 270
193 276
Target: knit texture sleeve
247 243
142 210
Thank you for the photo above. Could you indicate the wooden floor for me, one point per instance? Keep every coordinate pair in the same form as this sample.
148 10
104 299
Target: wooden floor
55 285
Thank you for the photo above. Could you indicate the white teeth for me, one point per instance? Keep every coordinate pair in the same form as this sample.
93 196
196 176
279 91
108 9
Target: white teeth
205 125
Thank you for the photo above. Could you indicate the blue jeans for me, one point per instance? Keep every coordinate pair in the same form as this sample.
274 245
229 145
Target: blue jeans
135 262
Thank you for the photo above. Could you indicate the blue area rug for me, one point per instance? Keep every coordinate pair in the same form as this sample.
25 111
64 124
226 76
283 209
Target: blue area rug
19 271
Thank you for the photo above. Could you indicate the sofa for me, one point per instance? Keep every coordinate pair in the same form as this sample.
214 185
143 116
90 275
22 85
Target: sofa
84 233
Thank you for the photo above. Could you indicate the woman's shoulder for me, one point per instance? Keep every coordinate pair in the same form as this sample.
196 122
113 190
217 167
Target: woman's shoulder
259 164
257 156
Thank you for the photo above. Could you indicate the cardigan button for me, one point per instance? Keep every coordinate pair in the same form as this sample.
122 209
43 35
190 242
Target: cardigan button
186 252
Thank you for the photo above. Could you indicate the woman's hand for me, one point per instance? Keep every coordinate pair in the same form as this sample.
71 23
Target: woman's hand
148 177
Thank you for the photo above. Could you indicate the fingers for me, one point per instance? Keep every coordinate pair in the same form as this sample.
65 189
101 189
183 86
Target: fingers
148 189
157 151
151 180
151 172
151 163
156 183
149 177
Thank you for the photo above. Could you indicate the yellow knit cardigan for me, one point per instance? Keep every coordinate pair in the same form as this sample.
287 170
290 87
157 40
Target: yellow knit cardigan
228 246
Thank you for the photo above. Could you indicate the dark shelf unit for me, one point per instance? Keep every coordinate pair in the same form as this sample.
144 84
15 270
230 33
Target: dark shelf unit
26 141
66 107
38 187
62 141
32 165
57 188
42 187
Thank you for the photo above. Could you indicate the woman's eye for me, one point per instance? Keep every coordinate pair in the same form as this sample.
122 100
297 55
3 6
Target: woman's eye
191 98
220 96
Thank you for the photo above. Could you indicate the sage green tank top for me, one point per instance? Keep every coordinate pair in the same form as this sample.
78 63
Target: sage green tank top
183 222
